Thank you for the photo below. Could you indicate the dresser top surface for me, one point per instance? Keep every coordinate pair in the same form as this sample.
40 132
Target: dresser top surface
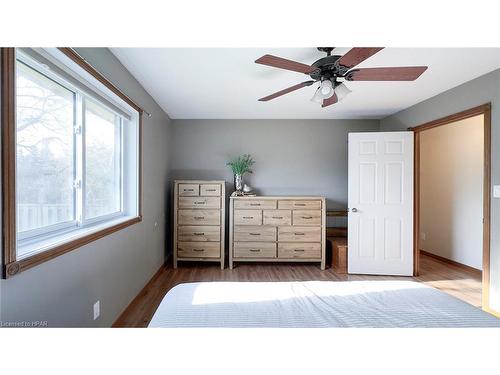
199 181
282 197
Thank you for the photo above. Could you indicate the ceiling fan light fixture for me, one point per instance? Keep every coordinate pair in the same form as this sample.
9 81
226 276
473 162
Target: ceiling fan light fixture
342 91
317 97
326 89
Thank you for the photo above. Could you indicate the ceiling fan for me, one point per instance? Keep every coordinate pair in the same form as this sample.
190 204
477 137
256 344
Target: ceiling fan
333 70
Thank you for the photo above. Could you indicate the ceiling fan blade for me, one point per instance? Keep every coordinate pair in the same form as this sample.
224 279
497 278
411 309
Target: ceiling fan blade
279 62
286 91
357 55
330 101
401 73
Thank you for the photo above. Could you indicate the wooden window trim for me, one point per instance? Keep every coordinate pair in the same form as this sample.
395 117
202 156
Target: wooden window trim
8 108
73 55
21 265
10 265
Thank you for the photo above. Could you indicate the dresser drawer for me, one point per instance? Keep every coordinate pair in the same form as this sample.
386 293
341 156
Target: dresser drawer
251 204
299 205
199 217
198 249
210 190
299 250
199 202
198 233
247 233
254 250
247 217
306 217
299 234
189 190
277 217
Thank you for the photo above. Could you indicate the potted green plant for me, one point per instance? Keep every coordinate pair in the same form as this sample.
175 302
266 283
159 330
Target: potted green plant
240 166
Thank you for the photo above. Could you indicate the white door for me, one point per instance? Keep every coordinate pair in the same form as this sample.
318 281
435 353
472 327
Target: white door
380 222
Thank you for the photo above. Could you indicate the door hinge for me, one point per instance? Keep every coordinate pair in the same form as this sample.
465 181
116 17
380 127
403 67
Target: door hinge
77 184
77 129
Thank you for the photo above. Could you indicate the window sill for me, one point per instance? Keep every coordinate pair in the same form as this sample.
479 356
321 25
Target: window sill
59 246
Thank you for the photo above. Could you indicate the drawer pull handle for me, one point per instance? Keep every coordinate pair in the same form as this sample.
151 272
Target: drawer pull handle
307 217
300 204
255 250
299 233
188 189
247 217
198 250
301 250
211 189
254 234
199 234
277 217
254 204
202 202
199 217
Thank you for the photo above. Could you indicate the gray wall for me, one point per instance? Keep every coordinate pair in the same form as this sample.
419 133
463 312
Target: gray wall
303 157
473 93
115 268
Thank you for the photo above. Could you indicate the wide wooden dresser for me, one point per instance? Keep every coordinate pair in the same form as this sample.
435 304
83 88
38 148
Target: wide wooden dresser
277 229
199 221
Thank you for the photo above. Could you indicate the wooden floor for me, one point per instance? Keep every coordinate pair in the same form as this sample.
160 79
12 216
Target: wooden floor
461 283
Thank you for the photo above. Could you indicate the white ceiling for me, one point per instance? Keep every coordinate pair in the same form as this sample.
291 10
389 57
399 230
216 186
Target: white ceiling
225 83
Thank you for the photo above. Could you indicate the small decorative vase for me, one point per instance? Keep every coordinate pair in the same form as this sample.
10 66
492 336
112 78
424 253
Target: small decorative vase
238 182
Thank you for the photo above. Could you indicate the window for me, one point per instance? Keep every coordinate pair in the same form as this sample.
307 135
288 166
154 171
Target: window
45 150
76 158
102 161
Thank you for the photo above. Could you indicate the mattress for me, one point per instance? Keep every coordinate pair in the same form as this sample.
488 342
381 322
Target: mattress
315 304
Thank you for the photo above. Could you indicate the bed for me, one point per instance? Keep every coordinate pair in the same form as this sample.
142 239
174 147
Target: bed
315 304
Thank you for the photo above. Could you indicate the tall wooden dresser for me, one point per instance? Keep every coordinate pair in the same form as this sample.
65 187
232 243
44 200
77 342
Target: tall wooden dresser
277 229
199 221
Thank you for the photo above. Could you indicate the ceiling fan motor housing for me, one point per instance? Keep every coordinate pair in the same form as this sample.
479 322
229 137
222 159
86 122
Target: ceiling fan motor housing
328 68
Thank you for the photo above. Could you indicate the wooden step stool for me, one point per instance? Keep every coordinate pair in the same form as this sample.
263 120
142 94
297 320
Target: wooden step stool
339 254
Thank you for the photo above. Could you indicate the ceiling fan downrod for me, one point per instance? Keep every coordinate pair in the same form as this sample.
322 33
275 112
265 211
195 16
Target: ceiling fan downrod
328 50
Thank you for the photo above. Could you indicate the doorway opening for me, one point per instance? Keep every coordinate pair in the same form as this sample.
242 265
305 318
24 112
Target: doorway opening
452 203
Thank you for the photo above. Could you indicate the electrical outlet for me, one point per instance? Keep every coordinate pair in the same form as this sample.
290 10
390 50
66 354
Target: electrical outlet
496 191
97 309
423 236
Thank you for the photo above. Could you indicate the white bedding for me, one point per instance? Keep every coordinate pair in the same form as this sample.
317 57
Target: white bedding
315 304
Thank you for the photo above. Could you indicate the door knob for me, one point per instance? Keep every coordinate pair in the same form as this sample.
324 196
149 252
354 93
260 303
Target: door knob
354 209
